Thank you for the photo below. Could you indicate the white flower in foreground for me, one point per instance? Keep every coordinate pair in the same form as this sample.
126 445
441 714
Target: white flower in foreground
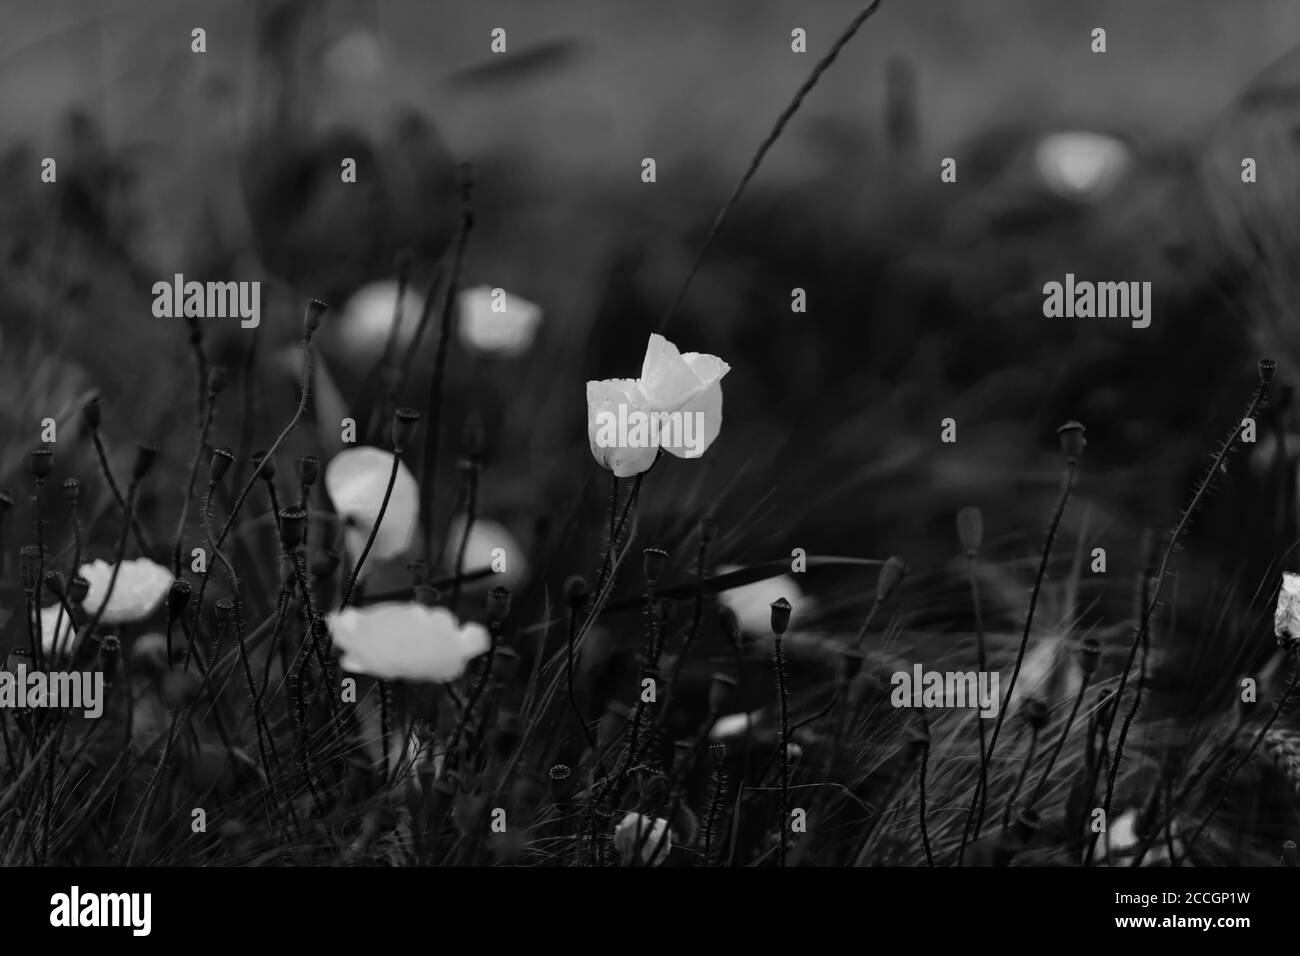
492 322
355 479
490 545
406 641
1286 619
752 603
637 830
675 405
367 319
139 589
52 621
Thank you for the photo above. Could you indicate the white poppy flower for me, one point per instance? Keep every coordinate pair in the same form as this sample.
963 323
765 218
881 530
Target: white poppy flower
635 830
406 641
1081 165
732 725
675 405
492 322
367 319
481 551
139 589
355 479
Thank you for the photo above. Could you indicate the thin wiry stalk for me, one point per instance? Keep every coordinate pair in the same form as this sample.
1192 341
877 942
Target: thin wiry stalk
1060 743
805 88
374 530
784 697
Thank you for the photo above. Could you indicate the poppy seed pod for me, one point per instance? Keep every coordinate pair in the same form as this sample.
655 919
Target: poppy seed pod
178 595
1072 441
404 422
560 772
144 459
219 464
653 561
498 604
293 526
223 611
92 414
308 470
265 466
576 590
42 462
29 564
970 530
1035 713
1266 369
218 379
1089 655
316 310
721 687
78 588
891 573
781 609
110 652
71 491
56 583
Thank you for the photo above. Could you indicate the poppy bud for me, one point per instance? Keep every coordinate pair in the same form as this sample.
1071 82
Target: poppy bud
219 464
178 595
56 583
91 413
576 590
144 459
780 616
293 525
1089 655
71 491
498 604
78 588
1266 369
218 379
315 311
29 564
890 575
223 611
1072 441
265 466
308 470
721 687
970 530
653 560
404 422
1034 713
42 462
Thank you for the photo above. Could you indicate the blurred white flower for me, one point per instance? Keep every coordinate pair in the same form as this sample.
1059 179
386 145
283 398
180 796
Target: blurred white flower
367 319
485 537
50 620
406 641
732 725
752 603
637 830
1286 619
1081 165
681 384
494 322
355 479
140 587
1049 672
